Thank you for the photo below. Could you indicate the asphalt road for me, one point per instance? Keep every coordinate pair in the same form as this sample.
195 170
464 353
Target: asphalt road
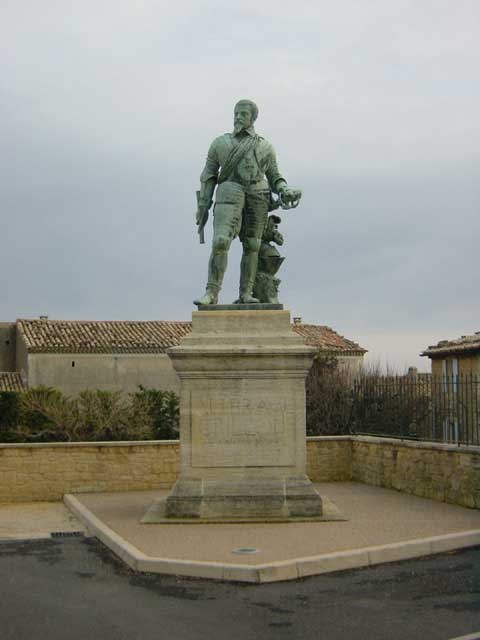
76 589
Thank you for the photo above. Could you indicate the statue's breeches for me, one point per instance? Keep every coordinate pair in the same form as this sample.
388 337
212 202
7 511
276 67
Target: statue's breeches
238 212
227 213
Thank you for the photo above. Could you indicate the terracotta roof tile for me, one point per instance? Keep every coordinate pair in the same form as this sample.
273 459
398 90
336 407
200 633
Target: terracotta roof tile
11 381
122 336
75 336
460 345
326 339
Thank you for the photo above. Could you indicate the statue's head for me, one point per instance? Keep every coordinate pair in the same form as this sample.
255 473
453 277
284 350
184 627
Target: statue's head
245 114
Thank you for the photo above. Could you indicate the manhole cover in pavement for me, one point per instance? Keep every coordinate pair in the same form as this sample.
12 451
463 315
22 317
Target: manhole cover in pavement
245 550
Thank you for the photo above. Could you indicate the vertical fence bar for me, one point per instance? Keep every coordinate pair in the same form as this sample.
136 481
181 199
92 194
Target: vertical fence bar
477 415
466 406
445 410
432 408
458 421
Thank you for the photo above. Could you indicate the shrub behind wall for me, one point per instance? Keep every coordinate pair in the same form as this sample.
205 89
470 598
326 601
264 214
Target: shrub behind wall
328 398
43 414
9 415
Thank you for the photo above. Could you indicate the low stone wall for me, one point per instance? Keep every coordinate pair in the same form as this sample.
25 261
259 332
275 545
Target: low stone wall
329 458
443 472
42 472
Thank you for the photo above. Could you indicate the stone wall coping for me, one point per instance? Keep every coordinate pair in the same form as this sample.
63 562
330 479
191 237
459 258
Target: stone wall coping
322 438
121 443
153 443
417 444
67 445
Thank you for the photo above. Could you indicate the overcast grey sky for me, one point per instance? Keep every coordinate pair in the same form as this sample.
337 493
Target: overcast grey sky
107 111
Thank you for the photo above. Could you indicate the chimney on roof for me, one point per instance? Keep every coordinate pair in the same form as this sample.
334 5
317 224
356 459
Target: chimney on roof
43 317
297 320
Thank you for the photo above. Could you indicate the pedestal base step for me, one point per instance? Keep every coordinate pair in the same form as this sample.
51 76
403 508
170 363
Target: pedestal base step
242 500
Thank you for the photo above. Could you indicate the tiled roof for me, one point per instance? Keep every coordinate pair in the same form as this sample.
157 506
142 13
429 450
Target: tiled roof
122 336
75 336
11 381
460 345
326 339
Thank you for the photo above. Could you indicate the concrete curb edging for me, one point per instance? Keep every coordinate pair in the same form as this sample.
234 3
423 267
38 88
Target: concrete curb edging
127 552
273 571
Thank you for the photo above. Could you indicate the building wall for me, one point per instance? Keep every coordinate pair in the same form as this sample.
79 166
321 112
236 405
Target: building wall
467 364
72 373
42 472
436 367
21 354
458 405
7 346
352 364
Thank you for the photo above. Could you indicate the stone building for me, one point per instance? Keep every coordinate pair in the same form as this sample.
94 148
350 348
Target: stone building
456 388
455 357
73 355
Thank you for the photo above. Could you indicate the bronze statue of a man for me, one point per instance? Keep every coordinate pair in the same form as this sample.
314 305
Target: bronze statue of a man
243 167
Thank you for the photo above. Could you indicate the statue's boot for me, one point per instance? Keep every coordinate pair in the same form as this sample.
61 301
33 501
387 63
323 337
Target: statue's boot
217 266
209 297
246 298
248 270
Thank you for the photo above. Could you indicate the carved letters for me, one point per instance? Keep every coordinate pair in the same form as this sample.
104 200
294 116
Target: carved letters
241 428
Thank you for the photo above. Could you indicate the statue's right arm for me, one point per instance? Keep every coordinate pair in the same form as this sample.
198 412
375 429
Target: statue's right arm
208 179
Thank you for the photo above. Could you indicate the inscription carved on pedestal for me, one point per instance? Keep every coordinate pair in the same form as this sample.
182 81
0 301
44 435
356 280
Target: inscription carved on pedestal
241 426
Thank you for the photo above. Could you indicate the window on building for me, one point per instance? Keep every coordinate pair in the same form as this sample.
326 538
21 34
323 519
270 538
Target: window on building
450 374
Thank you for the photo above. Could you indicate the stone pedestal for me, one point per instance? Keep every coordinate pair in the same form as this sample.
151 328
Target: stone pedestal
242 422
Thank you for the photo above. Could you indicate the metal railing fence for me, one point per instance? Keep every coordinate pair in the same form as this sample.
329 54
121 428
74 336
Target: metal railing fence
443 409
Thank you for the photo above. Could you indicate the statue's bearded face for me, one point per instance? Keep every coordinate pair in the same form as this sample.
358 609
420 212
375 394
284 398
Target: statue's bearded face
242 118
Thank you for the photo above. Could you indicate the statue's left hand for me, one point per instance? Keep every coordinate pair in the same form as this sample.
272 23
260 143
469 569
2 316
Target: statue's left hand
290 198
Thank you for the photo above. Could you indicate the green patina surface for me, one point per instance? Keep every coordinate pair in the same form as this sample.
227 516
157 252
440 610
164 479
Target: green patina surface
242 166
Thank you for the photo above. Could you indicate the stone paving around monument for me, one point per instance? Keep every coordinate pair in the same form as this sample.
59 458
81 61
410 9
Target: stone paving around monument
382 526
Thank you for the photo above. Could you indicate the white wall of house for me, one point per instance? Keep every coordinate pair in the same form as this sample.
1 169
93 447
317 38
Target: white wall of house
351 364
72 373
